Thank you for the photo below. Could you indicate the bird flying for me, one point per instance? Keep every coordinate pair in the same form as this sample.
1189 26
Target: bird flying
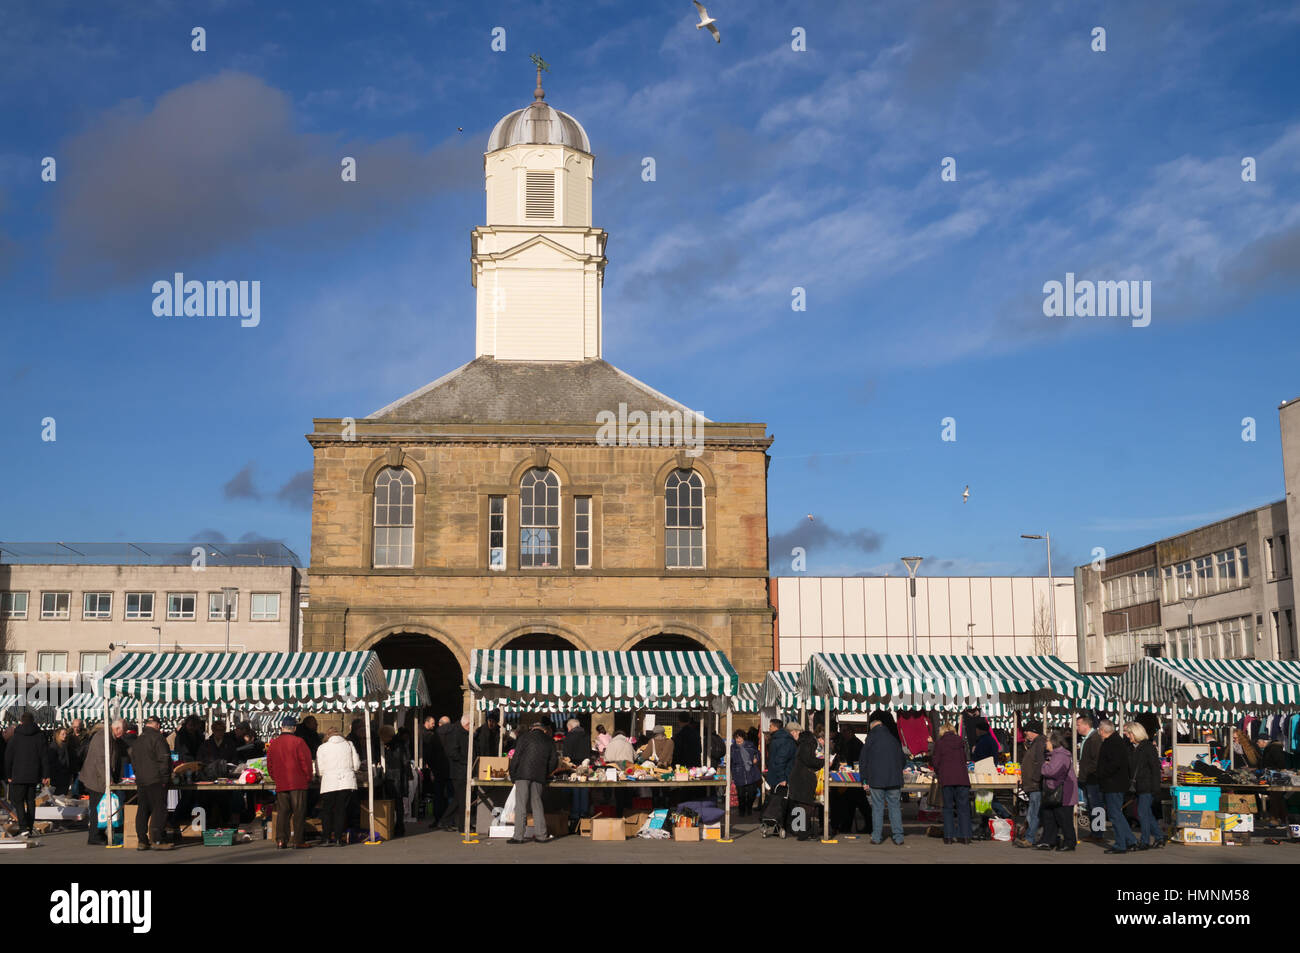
965 494
706 21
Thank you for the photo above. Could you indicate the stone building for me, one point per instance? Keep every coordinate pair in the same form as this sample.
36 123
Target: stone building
538 497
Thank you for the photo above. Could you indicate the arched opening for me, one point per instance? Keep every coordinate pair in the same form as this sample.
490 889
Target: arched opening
543 641
442 672
669 642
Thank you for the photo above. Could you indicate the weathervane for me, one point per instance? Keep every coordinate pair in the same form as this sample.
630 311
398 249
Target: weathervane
539 94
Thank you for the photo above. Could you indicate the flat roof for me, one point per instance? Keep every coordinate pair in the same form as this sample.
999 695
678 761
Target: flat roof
266 553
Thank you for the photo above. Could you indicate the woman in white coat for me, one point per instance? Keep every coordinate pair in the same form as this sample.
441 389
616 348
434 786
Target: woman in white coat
337 764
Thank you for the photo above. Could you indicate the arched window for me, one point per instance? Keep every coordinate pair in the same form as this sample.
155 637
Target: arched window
539 519
394 519
684 520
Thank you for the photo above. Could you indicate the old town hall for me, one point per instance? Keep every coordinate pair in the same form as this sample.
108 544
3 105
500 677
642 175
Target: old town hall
488 509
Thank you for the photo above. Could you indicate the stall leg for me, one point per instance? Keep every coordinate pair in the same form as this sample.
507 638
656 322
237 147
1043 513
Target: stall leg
370 781
726 824
469 769
108 779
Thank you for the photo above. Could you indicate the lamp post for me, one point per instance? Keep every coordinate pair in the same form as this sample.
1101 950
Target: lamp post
970 638
1189 601
912 563
158 629
227 603
1050 584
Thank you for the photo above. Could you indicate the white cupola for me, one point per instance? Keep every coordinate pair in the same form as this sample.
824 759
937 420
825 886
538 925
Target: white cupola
538 264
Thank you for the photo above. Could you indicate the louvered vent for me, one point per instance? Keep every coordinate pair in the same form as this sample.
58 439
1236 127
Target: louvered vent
539 195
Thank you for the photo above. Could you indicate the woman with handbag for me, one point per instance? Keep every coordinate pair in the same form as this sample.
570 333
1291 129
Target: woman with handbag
953 780
1060 794
1146 785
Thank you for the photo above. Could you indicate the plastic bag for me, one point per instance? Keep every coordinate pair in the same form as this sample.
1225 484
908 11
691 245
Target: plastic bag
109 803
1000 828
984 802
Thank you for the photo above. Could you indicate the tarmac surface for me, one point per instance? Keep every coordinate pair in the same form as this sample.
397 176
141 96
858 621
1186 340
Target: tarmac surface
423 846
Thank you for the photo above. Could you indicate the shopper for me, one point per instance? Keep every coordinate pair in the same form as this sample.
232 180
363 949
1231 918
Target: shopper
1146 783
1060 795
949 761
745 774
337 764
288 760
619 749
397 776
881 771
456 742
1115 778
780 753
189 738
92 774
27 766
308 733
152 761
602 739
846 802
985 745
530 769
577 748
487 740
659 748
1031 777
63 755
1089 750
686 743
803 783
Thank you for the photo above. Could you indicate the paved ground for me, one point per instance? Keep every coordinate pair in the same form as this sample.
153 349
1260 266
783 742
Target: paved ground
426 846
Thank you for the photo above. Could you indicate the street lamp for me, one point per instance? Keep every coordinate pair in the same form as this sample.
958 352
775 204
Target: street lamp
1050 585
970 638
158 629
228 601
1189 601
912 563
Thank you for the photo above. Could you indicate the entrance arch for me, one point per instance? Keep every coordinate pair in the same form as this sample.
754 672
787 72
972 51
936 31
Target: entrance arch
442 672
668 642
545 641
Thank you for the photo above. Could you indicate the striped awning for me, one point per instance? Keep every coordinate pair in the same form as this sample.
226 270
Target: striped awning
90 707
938 681
12 708
266 678
1247 684
406 689
617 680
749 697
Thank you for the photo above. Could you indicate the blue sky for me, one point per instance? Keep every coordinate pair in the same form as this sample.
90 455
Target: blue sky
775 169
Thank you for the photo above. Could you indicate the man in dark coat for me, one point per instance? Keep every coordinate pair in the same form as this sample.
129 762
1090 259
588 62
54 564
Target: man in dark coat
455 742
803 784
531 767
308 733
780 754
488 737
27 765
152 760
216 754
846 802
881 770
686 742
436 771
1089 749
1031 777
577 748
1114 775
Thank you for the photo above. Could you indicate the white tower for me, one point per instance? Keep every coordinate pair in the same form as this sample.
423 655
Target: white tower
538 263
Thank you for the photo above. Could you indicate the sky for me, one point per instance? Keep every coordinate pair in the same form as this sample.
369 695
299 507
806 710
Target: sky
776 169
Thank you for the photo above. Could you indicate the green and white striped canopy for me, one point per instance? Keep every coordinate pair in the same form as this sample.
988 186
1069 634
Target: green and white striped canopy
252 678
1247 684
12 708
1101 696
406 689
748 697
937 681
89 707
618 680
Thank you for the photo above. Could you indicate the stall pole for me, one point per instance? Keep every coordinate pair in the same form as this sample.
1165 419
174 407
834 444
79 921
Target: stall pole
726 827
826 779
1015 736
803 714
108 779
704 748
419 768
370 781
1173 745
469 766
1074 760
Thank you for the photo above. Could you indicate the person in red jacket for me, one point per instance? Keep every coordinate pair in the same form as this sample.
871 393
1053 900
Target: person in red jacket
288 759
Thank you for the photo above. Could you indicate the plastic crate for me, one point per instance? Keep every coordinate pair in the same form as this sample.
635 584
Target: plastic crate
1198 798
219 838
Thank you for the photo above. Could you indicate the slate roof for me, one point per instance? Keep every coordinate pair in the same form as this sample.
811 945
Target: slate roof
526 392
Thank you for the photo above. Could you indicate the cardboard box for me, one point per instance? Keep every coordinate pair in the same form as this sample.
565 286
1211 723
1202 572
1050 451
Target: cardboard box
584 827
1198 819
712 832
1201 798
384 819
487 763
608 828
1245 823
633 822
1202 836
1240 804
687 834
1236 839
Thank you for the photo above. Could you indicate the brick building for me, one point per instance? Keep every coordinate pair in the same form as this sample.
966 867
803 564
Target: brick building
538 497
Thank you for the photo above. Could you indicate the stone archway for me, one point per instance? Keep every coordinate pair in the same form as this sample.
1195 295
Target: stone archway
545 641
442 670
668 642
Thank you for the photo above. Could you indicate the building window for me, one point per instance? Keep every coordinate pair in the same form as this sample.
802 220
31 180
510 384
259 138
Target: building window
1171 585
1234 639
1208 634
217 606
51 661
394 519
1283 559
55 605
13 605
1245 565
139 606
539 195
582 532
1227 567
180 605
539 519
1182 581
13 661
97 605
684 520
1205 576
93 662
266 607
497 533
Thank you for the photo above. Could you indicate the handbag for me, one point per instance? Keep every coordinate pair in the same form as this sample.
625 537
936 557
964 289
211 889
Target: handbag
1053 797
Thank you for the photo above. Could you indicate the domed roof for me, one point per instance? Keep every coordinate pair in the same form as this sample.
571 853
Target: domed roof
540 124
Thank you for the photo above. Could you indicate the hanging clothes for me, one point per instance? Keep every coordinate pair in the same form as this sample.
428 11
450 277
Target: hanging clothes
916 732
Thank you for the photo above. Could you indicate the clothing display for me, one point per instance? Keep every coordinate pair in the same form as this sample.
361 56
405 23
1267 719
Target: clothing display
915 730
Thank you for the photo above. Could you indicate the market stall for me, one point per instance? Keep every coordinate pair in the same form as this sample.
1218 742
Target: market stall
935 682
272 680
535 680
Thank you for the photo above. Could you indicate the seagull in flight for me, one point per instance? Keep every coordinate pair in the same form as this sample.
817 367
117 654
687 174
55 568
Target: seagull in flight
965 494
707 21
